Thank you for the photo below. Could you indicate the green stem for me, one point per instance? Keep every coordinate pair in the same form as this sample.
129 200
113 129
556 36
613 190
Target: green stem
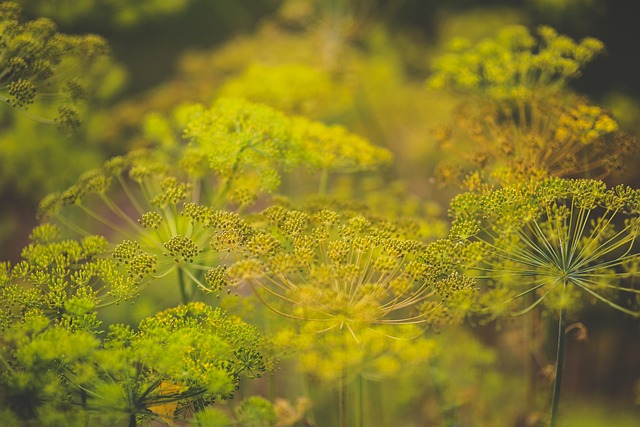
559 368
324 179
360 401
342 401
531 348
183 288
132 420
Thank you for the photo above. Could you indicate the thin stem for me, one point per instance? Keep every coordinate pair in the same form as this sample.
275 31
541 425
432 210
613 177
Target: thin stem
324 179
360 403
342 400
183 287
559 368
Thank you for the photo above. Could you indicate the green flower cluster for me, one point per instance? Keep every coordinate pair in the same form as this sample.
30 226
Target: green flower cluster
64 280
549 242
514 66
247 145
521 114
166 216
174 362
36 59
346 271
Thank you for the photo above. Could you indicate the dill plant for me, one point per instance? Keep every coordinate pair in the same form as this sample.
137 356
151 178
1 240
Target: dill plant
164 213
358 285
551 243
58 369
519 112
174 363
343 272
37 61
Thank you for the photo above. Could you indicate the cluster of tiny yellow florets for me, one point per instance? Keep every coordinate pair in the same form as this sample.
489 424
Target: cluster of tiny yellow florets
553 239
514 65
524 117
342 271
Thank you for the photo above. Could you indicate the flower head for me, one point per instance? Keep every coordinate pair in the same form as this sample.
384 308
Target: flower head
343 271
556 240
36 57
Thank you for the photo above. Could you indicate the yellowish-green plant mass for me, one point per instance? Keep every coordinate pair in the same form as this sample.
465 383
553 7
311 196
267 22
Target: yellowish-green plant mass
566 137
553 242
381 352
514 66
36 60
334 148
175 362
63 279
347 271
295 88
521 115
150 214
248 145
190 355
160 204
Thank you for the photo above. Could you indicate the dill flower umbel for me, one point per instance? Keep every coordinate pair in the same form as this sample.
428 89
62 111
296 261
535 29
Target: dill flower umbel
36 59
161 215
175 362
560 240
551 243
65 280
520 113
347 271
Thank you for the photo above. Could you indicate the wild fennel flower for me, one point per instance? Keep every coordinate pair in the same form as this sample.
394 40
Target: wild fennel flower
345 272
35 59
555 240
